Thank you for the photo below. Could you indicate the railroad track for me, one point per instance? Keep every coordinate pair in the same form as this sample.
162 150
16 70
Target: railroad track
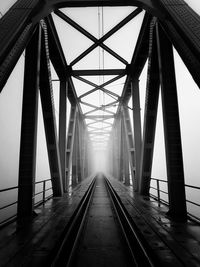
137 249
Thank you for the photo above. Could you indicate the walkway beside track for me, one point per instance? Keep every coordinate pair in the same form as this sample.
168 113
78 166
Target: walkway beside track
175 244
35 242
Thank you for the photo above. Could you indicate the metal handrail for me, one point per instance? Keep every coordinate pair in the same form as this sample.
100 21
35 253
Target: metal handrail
160 200
36 204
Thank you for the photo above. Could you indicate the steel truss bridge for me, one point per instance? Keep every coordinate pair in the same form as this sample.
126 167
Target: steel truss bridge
29 25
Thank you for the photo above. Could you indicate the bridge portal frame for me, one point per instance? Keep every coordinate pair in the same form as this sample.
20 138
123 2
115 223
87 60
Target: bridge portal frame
179 24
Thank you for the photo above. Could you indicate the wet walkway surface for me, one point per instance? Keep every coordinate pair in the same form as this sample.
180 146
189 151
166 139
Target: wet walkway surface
175 244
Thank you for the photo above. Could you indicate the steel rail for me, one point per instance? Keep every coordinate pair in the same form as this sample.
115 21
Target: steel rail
138 248
66 251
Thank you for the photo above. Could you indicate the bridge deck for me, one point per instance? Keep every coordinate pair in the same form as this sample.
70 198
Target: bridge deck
175 244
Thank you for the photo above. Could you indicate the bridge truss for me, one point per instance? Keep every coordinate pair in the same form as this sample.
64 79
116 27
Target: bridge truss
29 25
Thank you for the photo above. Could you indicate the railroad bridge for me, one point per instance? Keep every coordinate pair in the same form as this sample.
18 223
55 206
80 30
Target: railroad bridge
105 208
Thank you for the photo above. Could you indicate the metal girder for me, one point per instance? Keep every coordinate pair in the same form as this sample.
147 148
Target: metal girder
103 108
130 144
136 128
35 10
49 116
150 114
139 57
97 117
97 121
107 35
84 150
181 26
115 140
174 157
63 128
101 72
149 5
96 107
76 154
99 87
119 149
138 60
27 161
55 49
11 55
88 35
70 143
99 108
125 155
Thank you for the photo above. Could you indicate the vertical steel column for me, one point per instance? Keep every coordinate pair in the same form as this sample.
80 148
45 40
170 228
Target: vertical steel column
115 152
27 161
46 93
125 155
111 155
130 144
74 155
80 150
118 146
136 128
121 144
76 168
70 143
89 162
63 128
85 136
174 159
150 114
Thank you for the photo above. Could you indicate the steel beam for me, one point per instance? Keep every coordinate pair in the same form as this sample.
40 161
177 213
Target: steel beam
182 28
27 161
101 72
55 49
89 36
125 155
75 154
115 152
173 147
150 114
130 145
63 128
107 35
121 149
46 93
96 117
136 127
118 149
70 143
9 60
76 158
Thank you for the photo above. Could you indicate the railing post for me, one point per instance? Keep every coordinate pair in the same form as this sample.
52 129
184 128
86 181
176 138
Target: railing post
44 190
158 192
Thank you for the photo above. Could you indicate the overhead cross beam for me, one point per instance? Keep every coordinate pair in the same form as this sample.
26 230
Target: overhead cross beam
90 36
97 117
102 39
100 87
101 72
102 107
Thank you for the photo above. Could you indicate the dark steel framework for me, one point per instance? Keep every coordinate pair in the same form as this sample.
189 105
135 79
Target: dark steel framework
29 25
